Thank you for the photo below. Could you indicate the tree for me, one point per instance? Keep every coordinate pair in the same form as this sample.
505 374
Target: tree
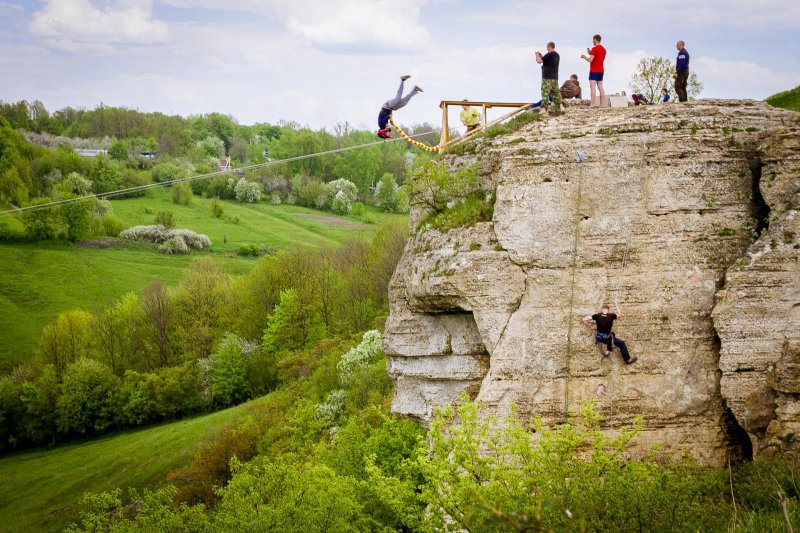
87 400
76 216
105 175
41 224
292 325
202 301
228 383
39 399
247 191
118 151
655 73
158 323
181 193
66 339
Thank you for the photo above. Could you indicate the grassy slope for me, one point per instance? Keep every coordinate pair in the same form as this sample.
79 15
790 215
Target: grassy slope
41 489
38 281
786 99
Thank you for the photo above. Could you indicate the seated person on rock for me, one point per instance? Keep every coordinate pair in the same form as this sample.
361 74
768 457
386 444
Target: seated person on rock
571 88
605 321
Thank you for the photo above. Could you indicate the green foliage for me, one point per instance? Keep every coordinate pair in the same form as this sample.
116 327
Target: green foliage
76 216
216 207
105 175
182 193
228 383
165 218
167 172
655 73
292 325
67 339
434 186
40 224
341 204
247 191
86 403
118 150
475 207
389 196
786 99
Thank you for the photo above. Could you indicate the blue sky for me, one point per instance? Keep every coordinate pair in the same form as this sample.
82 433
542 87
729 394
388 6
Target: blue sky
323 62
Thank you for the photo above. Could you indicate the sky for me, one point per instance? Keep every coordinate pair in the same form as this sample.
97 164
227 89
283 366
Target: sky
323 62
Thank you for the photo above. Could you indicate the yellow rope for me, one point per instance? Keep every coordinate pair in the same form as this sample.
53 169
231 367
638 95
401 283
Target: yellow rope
412 141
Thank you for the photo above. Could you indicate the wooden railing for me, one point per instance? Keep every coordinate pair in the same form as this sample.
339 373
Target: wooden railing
445 141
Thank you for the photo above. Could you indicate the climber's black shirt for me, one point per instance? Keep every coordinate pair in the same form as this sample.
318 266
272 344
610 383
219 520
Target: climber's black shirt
604 322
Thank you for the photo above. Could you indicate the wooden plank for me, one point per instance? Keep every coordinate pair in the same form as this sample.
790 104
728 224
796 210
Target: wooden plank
445 103
445 138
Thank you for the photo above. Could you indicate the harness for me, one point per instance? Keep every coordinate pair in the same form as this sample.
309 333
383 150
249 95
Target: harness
603 337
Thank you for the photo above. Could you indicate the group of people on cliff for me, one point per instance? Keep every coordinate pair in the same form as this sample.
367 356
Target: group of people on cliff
552 95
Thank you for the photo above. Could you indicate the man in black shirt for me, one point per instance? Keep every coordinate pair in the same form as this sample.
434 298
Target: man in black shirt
605 321
550 91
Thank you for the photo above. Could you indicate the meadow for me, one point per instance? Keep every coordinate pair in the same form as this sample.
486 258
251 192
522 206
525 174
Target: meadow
41 488
40 280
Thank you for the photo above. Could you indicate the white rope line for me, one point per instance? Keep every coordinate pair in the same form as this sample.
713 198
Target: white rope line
20 210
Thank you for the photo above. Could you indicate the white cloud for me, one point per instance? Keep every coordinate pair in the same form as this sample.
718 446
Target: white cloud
389 23
643 15
741 79
79 26
8 7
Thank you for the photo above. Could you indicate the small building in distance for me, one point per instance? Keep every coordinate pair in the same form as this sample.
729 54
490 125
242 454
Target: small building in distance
148 155
90 152
224 164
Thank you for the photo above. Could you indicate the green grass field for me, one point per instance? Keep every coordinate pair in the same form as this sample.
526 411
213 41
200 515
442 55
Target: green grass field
41 489
38 281
786 99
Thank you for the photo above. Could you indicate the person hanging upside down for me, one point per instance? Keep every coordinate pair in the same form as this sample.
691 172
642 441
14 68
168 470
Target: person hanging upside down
393 105
605 321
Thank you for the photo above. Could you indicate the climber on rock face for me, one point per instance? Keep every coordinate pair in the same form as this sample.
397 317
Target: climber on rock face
605 321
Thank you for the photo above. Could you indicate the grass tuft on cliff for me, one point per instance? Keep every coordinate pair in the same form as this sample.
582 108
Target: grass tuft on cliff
786 100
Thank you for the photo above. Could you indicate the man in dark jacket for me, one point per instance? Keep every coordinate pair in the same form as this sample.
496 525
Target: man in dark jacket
394 104
605 321
682 71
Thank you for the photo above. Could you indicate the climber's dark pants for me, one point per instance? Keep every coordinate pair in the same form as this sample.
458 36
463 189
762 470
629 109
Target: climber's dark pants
608 338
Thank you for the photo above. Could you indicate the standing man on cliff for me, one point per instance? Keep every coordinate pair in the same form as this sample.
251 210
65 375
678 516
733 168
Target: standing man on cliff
682 72
605 322
549 63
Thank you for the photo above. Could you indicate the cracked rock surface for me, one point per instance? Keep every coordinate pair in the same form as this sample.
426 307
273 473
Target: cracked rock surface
666 205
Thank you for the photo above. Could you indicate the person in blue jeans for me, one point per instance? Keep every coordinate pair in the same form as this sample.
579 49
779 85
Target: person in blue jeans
604 335
393 105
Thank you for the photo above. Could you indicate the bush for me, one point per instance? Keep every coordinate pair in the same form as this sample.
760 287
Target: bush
216 207
359 209
252 250
276 198
182 193
167 172
86 404
108 225
347 187
159 234
40 224
174 246
314 194
341 204
165 218
247 191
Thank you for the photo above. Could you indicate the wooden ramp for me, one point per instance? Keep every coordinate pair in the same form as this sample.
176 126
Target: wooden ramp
445 142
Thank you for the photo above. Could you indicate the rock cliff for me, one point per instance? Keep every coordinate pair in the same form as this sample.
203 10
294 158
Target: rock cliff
686 214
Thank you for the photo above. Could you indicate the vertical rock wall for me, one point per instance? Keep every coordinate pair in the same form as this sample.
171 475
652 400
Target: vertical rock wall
662 205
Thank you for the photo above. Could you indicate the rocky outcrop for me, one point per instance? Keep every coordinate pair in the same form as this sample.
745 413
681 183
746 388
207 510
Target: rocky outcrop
655 207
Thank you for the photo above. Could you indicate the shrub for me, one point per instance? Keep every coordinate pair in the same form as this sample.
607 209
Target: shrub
167 172
165 218
40 224
366 352
341 204
86 404
276 198
156 234
314 194
359 209
159 234
108 225
174 246
228 383
216 207
182 193
252 250
347 187
74 183
247 191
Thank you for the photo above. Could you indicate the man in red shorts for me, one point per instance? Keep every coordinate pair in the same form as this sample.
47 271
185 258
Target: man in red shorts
595 57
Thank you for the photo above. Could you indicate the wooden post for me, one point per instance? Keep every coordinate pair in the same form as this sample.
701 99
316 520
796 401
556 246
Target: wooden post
445 138
484 114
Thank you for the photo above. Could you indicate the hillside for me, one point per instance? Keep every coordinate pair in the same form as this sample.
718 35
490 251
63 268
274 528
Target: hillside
41 488
786 99
38 281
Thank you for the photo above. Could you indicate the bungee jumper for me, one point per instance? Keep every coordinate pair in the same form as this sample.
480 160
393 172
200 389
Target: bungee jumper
394 104
604 335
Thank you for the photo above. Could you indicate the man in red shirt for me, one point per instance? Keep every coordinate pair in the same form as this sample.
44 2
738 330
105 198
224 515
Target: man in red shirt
595 57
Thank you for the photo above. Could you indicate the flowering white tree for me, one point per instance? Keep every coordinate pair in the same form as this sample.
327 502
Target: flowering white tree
247 191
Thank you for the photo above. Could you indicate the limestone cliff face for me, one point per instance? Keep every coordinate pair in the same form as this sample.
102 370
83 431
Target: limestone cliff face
654 207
